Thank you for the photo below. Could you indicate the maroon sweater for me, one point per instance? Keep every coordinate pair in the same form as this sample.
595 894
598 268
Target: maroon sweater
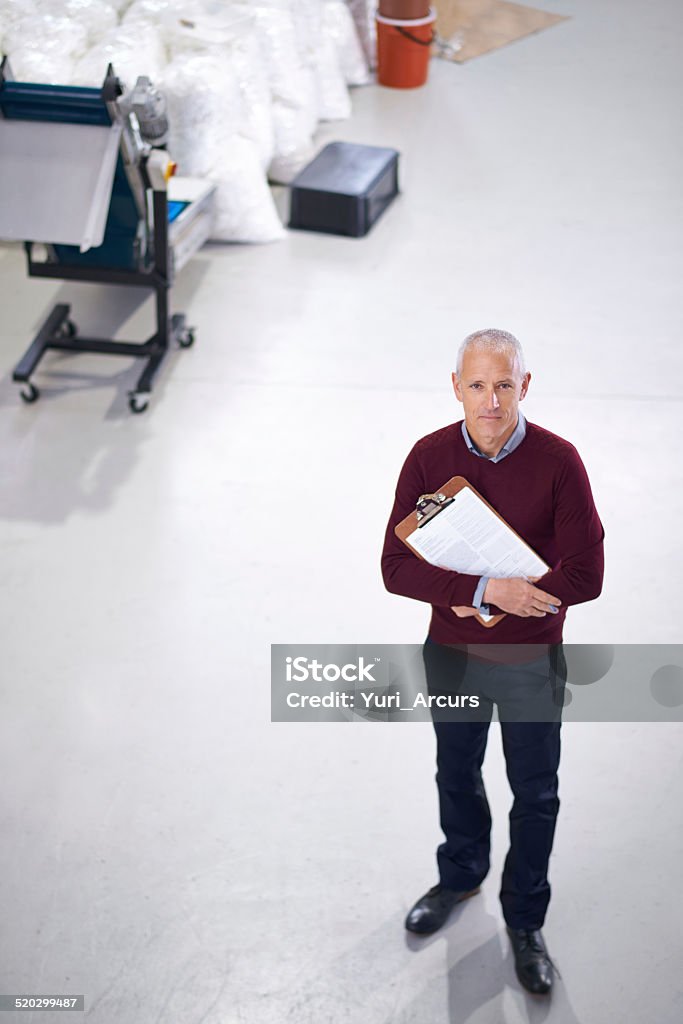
542 491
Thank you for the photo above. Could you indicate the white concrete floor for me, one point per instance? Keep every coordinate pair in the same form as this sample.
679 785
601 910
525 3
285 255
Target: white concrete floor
167 850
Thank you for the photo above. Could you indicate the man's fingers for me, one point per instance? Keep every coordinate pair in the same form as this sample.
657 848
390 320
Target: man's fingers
521 597
546 598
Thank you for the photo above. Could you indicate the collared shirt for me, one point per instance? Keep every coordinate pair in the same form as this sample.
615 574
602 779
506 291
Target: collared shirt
514 441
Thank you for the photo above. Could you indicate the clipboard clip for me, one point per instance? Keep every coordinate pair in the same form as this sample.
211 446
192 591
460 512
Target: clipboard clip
429 505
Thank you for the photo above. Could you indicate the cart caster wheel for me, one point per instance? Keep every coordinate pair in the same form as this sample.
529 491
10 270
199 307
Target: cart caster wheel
69 329
136 403
186 339
30 393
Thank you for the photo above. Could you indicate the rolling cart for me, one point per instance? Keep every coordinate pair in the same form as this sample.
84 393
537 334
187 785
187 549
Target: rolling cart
77 177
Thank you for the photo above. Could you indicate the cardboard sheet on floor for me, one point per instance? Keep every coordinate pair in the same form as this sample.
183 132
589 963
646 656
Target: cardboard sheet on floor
475 27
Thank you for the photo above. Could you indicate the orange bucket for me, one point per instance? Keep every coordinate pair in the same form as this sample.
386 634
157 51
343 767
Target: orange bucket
403 50
403 9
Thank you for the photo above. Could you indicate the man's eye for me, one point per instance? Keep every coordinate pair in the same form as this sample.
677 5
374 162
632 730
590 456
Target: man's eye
506 386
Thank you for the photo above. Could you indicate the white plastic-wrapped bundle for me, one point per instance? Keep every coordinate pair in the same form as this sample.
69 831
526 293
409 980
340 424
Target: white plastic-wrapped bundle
257 122
31 64
148 10
334 102
292 86
339 26
293 143
318 52
42 48
12 11
45 32
97 17
203 100
204 111
289 82
186 35
229 35
363 14
244 207
307 21
133 51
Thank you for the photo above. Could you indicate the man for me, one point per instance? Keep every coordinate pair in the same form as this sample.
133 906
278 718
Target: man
537 483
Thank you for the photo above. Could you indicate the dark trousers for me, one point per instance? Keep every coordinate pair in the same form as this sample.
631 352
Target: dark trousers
526 695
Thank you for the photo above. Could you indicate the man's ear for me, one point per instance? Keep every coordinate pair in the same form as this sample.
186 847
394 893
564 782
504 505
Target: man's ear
526 379
456 386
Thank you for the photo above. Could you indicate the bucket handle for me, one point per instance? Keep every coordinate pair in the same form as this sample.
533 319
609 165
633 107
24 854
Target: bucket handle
421 42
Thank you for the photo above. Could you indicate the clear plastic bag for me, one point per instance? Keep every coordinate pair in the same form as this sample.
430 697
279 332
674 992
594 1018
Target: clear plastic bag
334 102
287 72
33 64
293 143
318 54
244 207
230 35
202 93
133 51
97 17
13 11
292 85
339 26
150 11
47 33
204 110
42 48
363 14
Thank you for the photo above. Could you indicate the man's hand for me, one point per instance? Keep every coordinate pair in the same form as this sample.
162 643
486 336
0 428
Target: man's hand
520 597
463 611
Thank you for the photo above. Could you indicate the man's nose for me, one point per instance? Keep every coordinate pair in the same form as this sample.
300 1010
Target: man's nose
492 399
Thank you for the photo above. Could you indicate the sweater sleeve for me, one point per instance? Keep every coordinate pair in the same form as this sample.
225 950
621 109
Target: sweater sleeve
403 572
579 535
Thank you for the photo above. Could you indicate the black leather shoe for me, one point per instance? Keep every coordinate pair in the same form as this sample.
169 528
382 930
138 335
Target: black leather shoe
534 967
431 910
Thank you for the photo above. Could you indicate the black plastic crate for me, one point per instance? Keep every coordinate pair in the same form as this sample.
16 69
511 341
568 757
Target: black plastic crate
344 189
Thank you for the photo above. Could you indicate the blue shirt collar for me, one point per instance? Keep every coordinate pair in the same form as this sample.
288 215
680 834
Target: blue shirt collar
514 441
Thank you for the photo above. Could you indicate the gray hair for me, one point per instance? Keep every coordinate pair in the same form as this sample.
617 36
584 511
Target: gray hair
491 340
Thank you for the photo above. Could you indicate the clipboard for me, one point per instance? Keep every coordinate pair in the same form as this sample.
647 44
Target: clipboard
429 506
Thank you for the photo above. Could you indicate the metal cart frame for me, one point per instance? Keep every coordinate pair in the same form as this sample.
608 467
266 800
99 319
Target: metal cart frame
58 331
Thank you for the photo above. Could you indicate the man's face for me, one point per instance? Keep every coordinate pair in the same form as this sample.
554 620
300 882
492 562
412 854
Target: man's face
490 388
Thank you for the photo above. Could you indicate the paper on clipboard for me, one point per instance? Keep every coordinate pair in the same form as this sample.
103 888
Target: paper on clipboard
466 536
